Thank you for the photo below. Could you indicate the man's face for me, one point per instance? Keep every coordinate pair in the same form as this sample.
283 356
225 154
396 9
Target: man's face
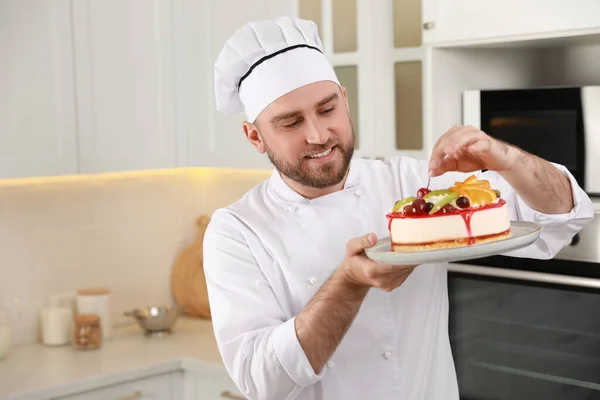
308 134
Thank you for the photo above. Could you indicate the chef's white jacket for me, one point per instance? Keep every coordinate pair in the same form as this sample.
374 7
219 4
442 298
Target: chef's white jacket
266 255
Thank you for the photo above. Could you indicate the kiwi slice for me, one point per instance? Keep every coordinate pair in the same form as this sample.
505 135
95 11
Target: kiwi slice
401 203
437 193
446 200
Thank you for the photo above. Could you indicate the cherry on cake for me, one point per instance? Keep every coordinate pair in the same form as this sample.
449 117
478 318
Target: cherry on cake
467 213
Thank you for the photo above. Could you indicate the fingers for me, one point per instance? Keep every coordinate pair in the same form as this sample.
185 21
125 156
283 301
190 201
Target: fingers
462 140
438 153
454 145
386 277
357 245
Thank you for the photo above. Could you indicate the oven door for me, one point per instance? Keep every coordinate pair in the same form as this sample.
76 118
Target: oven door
523 335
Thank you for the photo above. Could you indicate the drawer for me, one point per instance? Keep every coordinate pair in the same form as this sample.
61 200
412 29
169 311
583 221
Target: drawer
152 388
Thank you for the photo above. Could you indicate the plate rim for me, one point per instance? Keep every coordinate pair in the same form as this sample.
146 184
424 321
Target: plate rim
373 252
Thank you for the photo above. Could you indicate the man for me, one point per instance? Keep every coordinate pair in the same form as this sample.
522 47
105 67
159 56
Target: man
299 311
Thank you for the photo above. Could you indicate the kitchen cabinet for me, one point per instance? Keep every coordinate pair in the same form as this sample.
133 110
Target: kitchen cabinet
209 383
37 102
376 49
212 138
125 84
196 381
118 85
165 386
476 20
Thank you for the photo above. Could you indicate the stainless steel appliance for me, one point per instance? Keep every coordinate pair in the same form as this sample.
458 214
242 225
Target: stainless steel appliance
529 329
559 124
526 329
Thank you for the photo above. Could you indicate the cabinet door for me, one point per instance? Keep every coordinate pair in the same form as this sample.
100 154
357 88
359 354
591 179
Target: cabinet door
210 383
157 387
399 78
212 138
471 20
125 84
37 108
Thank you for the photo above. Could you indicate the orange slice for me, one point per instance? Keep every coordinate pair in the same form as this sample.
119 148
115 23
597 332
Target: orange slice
480 195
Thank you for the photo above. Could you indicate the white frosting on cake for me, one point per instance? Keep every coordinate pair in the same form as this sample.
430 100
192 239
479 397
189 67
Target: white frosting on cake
442 227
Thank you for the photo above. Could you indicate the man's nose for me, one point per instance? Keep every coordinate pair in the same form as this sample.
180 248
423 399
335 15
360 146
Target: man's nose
317 134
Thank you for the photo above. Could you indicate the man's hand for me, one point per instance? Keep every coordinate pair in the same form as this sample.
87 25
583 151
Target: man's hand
468 149
359 270
539 183
322 324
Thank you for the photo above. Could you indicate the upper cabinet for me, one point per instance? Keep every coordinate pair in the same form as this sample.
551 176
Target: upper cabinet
125 80
376 50
94 86
476 20
212 138
37 103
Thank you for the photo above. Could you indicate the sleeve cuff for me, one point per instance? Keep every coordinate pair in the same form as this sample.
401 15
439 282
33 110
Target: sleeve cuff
292 356
544 219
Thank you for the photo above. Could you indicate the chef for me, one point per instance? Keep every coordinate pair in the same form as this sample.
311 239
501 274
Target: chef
299 311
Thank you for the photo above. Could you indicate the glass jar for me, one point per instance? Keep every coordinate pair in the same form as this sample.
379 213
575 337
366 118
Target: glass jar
87 333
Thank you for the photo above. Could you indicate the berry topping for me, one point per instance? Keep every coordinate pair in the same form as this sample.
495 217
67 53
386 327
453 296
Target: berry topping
419 206
408 209
422 192
448 208
428 207
401 203
463 202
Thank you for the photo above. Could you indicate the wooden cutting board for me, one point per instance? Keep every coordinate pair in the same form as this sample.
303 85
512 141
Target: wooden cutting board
188 284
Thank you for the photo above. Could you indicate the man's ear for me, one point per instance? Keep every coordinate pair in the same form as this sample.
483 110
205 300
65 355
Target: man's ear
345 96
253 135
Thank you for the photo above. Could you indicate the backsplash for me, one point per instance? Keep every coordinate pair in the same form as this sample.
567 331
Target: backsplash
121 231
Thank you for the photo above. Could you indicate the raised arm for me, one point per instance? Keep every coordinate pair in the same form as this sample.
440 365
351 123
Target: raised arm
535 189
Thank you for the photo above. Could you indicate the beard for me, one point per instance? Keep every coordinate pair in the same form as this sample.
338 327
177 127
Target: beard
321 176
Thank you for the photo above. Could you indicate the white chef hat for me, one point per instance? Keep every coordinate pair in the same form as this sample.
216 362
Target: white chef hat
264 60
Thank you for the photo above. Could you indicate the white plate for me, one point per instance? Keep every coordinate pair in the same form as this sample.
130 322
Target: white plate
522 234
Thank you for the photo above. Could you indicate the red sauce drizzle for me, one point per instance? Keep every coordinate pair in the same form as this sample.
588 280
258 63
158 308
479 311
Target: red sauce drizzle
467 218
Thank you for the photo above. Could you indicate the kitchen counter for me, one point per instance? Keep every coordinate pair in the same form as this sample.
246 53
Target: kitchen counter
35 371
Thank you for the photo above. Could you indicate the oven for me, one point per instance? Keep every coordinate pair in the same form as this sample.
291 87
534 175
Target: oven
559 124
524 329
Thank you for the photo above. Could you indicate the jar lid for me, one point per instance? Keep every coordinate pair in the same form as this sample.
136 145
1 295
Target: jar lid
87 318
93 292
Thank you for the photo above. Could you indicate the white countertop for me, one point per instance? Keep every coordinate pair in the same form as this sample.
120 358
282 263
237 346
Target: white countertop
36 371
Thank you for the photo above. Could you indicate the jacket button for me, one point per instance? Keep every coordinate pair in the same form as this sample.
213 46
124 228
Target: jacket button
359 192
312 280
387 355
291 208
330 364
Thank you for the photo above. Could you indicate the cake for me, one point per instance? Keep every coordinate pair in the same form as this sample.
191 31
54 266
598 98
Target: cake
467 213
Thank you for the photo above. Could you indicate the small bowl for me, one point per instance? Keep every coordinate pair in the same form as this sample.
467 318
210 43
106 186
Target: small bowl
155 320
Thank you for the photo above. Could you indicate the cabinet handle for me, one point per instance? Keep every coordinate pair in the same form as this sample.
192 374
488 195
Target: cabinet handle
428 25
136 395
228 395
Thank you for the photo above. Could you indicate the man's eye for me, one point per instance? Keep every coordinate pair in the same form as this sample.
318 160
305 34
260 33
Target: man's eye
292 124
327 111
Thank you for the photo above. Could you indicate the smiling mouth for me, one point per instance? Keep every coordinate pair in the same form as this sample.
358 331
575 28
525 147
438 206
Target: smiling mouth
323 154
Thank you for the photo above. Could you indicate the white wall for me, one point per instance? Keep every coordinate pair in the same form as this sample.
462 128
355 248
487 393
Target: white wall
120 231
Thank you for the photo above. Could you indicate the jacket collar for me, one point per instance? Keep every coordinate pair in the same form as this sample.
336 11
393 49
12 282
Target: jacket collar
287 194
